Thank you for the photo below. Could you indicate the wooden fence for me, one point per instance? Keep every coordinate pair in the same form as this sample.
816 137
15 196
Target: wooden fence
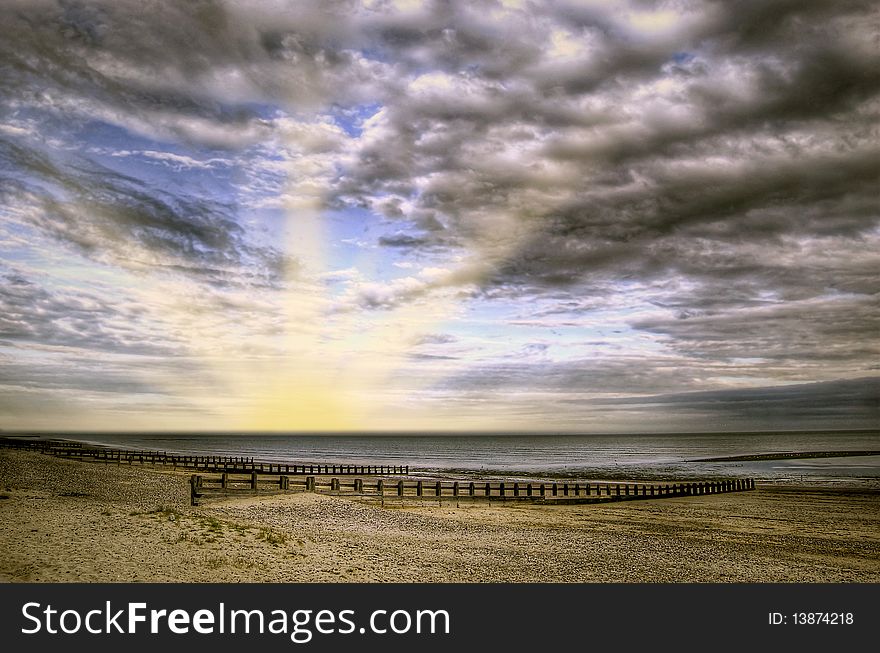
227 464
229 485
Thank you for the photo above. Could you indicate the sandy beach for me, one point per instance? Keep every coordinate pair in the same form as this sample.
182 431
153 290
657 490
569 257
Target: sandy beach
74 521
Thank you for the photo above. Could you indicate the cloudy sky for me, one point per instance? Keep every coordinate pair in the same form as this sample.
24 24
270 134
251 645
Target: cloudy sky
392 214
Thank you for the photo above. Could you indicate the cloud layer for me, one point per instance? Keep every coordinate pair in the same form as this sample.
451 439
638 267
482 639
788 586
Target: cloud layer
602 202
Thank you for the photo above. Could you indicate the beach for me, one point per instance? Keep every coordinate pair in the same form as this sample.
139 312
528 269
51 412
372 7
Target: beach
70 521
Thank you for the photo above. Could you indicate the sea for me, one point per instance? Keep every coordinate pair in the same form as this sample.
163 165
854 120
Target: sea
671 456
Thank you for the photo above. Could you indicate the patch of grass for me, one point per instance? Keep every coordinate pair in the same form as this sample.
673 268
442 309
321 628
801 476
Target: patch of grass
188 538
238 528
243 562
272 537
213 524
215 561
171 514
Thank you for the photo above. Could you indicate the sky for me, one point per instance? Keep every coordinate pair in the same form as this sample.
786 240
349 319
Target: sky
503 215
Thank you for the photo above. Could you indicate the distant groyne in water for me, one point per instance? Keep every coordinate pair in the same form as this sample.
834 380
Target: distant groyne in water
786 455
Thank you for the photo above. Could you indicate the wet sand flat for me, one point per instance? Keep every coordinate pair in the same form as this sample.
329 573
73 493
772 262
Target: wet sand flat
73 521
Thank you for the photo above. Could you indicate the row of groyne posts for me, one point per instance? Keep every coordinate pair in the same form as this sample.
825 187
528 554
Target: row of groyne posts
225 464
227 485
237 476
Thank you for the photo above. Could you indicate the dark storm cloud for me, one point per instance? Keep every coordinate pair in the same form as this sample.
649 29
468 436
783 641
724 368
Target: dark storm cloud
109 216
855 401
625 374
32 314
56 377
777 98
650 392
615 166
190 71
811 334
401 240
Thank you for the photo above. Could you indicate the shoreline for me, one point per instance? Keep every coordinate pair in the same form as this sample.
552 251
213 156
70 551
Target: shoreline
91 522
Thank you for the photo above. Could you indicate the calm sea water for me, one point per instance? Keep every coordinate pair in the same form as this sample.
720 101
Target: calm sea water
590 457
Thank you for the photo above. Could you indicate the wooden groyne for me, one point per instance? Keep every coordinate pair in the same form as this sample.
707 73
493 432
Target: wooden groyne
787 455
243 476
226 464
229 485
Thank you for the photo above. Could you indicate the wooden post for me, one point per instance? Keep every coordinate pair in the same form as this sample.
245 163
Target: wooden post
359 485
577 489
501 489
565 489
419 489
224 480
380 487
472 489
455 489
253 480
400 488
516 489
555 489
488 489
194 483
617 490
438 489
529 490
310 483
543 490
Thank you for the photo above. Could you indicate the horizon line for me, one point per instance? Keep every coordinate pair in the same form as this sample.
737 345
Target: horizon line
419 432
